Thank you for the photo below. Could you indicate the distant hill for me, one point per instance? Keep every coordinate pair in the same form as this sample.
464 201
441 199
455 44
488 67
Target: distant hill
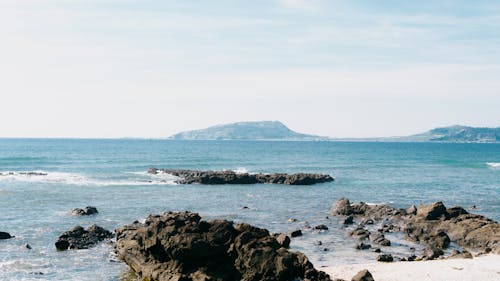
459 134
261 130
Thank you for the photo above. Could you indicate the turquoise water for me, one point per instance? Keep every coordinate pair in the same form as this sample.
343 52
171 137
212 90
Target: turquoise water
110 174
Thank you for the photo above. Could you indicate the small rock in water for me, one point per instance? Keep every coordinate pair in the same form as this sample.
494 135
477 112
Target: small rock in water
363 246
292 220
80 238
321 227
245 207
385 258
296 233
5 235
376 250
381 240
89 210
318 243
28 246
363 275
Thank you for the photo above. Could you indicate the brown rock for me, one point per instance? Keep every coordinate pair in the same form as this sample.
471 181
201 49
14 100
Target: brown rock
363 275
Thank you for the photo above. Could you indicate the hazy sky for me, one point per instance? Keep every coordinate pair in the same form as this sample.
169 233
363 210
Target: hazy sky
140 68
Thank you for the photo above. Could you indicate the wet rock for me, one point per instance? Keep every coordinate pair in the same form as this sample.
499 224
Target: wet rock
349 220
80 238
376 250
321 227
318 243
432 253
181 246
292 220
411 258
363 246
439 240
367 222
27 246
456 211
385 258
296 233
434 211
380 239
5 235
359 233
283 240
363 275
460 255
341 207
231 177
89 210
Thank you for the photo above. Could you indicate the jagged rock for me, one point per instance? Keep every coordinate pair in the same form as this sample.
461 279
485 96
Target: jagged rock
80 238
5 235
231 177
89 210
181 246
367 222
412 210
385 258
380 240
321 227
439 240
456 211
283 240
363 275
341 207
434 211
360 233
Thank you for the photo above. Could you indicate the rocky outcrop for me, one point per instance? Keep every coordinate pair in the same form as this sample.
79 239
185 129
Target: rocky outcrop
89 210
80 238
433 225
181 246
5 235
231 177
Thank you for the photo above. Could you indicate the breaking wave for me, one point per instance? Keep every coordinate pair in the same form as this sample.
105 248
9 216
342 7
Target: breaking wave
79 179
493 164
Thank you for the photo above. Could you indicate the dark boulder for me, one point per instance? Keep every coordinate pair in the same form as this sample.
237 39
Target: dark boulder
349 220
456 211
321 227
89 210
296 233
385 258
363 275
5 235
363 246
360 233
80 238
181 246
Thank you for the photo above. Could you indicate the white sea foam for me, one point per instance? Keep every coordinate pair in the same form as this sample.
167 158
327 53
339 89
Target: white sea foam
241 170
493 164
79 179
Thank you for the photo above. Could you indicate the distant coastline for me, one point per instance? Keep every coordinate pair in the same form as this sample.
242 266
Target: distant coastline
277 131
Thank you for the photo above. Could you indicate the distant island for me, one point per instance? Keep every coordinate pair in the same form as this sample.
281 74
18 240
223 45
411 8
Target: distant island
275 130
260 130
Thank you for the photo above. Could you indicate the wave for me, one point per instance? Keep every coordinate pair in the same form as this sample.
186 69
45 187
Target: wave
79 179
493 164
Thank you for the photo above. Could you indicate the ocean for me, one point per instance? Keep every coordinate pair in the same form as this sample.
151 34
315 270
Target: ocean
111 175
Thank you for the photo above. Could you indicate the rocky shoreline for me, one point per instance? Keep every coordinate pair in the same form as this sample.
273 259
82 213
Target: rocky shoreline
231 177
182 246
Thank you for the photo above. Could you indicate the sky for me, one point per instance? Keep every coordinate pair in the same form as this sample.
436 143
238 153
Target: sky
143 68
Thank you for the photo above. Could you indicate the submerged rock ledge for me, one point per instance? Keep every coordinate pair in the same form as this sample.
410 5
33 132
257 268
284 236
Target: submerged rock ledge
231 177
181 246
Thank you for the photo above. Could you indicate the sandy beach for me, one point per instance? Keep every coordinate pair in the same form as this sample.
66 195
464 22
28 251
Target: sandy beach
483 268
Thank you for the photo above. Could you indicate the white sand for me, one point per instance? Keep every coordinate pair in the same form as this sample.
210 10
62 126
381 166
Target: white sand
483 268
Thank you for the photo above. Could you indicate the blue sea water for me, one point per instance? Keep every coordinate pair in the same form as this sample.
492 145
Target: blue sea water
110 174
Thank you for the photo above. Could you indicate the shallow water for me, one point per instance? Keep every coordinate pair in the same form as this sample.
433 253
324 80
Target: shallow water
110 174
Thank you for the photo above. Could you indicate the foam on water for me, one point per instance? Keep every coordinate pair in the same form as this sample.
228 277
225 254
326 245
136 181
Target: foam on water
493 164
79 179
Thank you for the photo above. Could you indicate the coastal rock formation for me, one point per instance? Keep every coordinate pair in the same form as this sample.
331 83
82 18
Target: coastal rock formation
80 238
89 210
181 246
4 235
231 177
433 225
